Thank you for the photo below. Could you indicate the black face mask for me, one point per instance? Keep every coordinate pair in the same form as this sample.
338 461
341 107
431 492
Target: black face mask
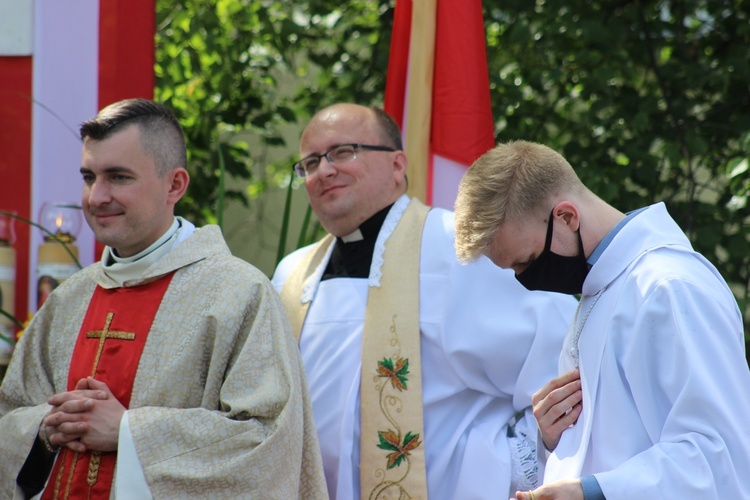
555 273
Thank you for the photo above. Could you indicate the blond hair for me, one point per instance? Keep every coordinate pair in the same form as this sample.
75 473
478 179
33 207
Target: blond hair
510 181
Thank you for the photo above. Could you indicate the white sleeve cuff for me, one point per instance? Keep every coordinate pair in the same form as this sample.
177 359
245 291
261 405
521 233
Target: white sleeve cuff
130 482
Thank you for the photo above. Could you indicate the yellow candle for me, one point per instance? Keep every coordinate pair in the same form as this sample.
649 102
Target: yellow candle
7 292
54 265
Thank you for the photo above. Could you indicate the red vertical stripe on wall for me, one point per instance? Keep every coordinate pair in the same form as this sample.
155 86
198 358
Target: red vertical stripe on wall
126 53
15 162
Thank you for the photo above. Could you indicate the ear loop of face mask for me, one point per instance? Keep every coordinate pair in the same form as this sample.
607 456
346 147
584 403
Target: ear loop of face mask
556 273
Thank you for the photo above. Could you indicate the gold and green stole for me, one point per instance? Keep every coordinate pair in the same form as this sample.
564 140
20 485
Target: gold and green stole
392 459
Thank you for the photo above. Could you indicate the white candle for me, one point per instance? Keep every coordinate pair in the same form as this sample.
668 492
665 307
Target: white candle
54 265
7 294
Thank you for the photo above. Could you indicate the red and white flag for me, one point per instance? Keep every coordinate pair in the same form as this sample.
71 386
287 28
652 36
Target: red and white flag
437 90
60 62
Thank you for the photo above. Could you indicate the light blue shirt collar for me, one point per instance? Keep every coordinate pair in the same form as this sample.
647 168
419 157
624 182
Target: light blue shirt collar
599 250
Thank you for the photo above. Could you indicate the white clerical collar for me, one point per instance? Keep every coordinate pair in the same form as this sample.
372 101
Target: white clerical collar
355 236
122 269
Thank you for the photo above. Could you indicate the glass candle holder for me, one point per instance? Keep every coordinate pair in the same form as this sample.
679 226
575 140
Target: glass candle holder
7 284
61 219
58 256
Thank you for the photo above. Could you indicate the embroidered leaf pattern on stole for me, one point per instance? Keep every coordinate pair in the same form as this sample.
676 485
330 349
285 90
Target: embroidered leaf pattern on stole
397 479
396 374
389 440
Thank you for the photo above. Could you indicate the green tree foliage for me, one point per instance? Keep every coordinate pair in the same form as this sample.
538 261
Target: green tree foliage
648 100
217 66
232 69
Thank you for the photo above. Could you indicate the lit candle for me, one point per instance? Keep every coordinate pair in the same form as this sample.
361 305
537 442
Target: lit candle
58 255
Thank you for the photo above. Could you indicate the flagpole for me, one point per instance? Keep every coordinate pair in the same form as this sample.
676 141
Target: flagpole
419 100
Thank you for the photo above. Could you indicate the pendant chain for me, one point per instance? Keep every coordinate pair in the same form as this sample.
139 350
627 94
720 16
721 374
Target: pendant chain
574 351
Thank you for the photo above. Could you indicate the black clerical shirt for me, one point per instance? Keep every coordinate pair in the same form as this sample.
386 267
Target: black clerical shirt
353 259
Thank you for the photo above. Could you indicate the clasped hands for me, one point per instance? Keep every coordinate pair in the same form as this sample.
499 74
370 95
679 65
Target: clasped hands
84 419
557 406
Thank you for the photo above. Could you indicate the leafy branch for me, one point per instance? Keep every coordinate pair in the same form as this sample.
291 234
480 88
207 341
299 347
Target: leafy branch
15 321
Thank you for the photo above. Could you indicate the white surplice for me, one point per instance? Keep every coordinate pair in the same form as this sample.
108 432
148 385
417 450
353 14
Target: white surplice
666 387
487 345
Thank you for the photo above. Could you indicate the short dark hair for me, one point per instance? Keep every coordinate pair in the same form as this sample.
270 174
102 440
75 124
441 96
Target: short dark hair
388 128
161 134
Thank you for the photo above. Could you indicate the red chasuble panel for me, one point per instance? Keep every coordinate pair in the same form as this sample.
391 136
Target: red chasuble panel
109 347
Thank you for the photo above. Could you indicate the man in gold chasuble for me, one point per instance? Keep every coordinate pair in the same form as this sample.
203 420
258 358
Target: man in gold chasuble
166 370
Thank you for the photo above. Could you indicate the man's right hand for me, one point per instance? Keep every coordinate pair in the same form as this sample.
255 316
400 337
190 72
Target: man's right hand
66 424
557 406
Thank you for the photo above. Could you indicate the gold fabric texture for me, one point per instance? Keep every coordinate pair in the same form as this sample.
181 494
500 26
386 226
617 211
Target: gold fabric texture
392 463
291 293
219 408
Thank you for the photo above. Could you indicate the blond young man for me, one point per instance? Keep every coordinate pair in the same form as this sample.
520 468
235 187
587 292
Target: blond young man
651 398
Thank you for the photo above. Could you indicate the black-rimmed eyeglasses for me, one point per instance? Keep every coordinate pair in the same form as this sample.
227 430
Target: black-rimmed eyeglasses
337 155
